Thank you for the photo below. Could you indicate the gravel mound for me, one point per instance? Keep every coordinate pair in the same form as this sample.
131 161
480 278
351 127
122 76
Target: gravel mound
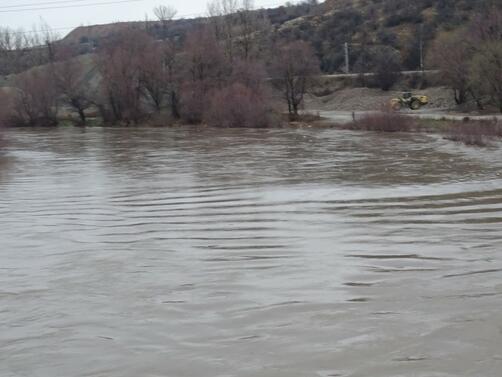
367 99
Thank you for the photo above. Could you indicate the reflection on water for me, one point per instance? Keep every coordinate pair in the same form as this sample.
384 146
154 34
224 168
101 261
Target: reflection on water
191 252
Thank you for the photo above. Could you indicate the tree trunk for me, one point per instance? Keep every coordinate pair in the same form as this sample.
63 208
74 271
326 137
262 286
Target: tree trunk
174 105
81 115
479 104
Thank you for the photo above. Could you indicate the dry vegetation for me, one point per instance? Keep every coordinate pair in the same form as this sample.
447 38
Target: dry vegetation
474 133
215 70
384 121
217 74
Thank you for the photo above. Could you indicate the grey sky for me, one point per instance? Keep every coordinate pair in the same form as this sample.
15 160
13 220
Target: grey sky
95 14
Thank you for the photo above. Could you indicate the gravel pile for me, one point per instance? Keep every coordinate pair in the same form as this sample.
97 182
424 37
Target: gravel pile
364 99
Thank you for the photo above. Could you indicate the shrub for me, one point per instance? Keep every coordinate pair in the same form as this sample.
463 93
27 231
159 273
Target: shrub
385 121
35 102
474 133
238 106
6 108
387 68
193 102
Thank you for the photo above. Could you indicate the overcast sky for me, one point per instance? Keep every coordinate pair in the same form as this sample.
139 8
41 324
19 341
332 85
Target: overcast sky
66 14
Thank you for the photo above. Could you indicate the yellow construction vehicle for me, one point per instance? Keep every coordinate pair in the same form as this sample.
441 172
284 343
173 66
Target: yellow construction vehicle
408 100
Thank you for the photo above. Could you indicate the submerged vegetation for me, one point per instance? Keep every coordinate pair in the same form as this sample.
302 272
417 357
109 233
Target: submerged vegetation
384 121
474 133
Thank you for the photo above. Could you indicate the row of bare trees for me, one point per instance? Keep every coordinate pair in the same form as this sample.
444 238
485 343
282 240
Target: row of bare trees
21 50
218 74
470 60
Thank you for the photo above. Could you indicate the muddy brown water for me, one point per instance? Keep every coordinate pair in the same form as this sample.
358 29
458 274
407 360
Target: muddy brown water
282 253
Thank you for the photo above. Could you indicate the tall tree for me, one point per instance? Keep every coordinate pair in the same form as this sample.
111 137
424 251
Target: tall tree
120 65
69 78
294 68
36 102
165 14
452 54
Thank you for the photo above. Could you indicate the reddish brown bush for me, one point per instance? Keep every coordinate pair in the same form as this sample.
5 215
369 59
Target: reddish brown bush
474 133
35 102
251 74
120 65
238 106
6 108
205 69
74 90
384 121
193 102
293 68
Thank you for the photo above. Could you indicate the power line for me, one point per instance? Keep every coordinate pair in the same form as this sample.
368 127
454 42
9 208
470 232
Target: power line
44 3
70 6
181 16
36 6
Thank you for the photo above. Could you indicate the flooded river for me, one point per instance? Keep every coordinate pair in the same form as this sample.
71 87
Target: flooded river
281 253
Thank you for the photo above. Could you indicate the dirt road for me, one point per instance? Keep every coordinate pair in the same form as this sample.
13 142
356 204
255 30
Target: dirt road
434 114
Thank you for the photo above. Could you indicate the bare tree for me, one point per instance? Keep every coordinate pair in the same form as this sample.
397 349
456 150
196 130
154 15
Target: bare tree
173 73
452 54
387 67
204 58
153 74
35 102
69 77
6 107
238 106
49 39
223 16
120 66
165 14
486 71
205 69
294 68
251 27
245 99
486 64
487 26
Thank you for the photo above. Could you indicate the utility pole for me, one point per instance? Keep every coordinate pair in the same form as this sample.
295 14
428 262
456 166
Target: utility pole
422 48
347 58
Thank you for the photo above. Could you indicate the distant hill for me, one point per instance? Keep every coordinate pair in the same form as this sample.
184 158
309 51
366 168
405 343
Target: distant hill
400 24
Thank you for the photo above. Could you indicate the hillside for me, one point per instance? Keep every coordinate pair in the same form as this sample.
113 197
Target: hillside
399 24
402 25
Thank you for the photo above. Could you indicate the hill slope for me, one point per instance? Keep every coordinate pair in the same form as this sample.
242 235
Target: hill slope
403 25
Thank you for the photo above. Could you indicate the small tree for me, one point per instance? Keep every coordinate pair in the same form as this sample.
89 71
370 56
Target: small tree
238 106
173 74
485 32
294 68
120 65
165 14
452 54
6 108
70 82
252 25
486 71
222 15
387 67
244 101
35 102
152 75
206 68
